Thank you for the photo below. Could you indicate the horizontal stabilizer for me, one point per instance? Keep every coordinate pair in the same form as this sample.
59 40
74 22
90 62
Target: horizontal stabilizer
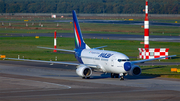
99 47
57 49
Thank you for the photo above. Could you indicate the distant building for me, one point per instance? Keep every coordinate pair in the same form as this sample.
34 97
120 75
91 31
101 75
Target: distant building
53 16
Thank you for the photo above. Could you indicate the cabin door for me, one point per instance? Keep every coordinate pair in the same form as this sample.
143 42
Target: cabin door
112 61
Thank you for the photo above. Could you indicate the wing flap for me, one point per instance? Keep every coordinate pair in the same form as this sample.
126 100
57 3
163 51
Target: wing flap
57 62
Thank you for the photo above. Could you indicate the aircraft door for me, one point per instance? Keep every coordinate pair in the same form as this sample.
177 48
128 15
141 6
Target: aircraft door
112 61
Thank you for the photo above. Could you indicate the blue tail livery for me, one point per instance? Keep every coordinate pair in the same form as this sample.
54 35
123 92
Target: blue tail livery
79 42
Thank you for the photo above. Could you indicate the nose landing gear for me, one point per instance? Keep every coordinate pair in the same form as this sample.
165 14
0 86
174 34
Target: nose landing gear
122 78
121 75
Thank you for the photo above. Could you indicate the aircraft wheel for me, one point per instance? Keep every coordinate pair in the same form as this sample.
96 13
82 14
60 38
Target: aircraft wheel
88 77
121 78
116 75
83 77
112 75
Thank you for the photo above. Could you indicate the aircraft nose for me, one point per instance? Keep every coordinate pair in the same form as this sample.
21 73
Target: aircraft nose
127 66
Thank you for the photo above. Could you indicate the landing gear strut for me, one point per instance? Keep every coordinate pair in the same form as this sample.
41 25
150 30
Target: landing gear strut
85 77
121 76
113 75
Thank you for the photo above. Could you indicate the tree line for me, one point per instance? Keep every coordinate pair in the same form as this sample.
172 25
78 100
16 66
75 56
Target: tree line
89 6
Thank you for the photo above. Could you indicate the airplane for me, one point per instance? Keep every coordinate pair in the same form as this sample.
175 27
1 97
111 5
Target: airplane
116 63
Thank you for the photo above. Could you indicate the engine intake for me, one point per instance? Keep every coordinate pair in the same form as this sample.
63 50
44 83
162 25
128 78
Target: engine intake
84 71
135 70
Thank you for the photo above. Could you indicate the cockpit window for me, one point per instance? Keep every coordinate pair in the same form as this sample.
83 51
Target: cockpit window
119 60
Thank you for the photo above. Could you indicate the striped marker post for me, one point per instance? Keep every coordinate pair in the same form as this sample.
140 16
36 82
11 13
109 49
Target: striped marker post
146 52
146 27
55 42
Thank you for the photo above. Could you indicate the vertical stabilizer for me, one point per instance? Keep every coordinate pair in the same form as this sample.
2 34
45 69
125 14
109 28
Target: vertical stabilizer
79 42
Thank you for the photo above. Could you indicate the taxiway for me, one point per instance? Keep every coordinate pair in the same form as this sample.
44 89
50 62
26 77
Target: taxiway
21 80
101 36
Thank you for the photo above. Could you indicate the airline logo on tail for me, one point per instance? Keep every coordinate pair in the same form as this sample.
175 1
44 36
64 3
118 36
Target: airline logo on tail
79 42
77 36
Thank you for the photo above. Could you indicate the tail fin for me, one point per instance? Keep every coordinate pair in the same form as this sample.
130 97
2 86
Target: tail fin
79 42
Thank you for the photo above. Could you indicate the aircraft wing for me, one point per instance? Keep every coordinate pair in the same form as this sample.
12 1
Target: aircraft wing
142 61
72 51
56 62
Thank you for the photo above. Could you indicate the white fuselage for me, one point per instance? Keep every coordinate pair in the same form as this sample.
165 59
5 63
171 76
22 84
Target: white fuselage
108 61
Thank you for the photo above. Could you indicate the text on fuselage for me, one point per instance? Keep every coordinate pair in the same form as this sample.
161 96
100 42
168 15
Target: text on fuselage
105 55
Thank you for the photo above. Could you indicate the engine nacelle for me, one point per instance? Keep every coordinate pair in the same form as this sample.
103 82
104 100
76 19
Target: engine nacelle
84 71
135 70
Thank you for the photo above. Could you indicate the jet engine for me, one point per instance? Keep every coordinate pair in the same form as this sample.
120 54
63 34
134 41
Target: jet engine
135 70
84 71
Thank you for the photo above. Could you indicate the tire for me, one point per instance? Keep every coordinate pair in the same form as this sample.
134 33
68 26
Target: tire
112 75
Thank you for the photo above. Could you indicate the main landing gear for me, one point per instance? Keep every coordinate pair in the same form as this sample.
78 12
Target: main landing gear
114 75
122 78
85 77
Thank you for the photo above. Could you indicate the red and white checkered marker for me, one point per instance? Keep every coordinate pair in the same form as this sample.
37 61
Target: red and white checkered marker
149 53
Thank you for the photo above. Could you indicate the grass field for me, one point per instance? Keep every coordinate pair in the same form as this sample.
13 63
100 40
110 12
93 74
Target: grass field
90 28
18 25
27 47
160 71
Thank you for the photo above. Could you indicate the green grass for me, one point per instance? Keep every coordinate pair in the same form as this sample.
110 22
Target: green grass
27 47
160 71
49 27
12 31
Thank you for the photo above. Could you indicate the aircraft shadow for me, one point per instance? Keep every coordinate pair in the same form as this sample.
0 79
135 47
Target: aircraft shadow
60 75
176 57
129 77
102 76
156 67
